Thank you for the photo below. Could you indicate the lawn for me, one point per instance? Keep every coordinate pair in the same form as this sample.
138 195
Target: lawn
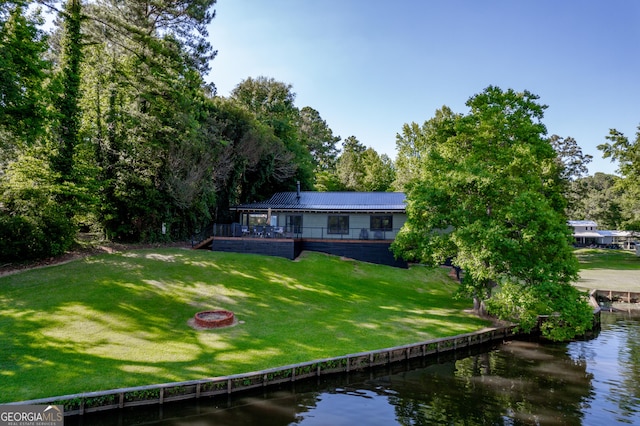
605 269
119 320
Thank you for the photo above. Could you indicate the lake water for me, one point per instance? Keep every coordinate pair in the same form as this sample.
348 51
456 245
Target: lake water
589 382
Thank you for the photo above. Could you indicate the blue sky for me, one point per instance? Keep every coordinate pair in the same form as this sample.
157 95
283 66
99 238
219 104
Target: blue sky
370 66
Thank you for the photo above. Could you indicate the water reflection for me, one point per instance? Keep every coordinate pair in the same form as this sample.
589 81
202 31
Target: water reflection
613 359
584 382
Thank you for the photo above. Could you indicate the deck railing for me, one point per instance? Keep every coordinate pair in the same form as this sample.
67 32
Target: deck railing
261 231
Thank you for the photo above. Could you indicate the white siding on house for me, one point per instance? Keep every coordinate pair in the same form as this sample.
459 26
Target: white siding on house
314 225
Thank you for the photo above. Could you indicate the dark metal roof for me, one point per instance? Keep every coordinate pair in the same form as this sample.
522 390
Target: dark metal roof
330 201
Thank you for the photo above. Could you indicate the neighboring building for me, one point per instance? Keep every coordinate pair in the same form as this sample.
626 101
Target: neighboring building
358 225
586 233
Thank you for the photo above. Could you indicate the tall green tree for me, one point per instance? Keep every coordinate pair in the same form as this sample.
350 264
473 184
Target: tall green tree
33 222
412 145
573 162
573 165
23 72
67 102
379 171
627 153
349 168
148 116
601 199
316 135
272 102
361 168
488 198
248 158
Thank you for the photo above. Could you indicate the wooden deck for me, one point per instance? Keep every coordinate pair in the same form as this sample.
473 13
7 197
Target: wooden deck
372 251
617 300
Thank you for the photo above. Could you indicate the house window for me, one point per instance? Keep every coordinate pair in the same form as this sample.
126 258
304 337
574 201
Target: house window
338 225
381 223
257 219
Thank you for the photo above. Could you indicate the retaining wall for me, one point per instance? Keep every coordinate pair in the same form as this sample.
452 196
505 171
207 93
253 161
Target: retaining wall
79 404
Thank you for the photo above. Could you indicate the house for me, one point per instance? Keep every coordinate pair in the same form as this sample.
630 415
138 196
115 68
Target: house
357 225
586 233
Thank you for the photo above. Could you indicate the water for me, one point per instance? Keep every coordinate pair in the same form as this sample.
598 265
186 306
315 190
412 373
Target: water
590 382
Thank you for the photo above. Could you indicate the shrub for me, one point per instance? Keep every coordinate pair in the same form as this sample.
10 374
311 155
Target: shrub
45 234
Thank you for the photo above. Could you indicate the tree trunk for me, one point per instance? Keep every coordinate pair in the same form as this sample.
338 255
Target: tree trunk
479 306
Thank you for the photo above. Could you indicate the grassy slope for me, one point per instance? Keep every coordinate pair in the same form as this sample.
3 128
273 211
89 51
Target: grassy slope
605 269
120 320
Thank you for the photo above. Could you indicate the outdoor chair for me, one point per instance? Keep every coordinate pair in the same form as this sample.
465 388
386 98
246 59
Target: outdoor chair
364 234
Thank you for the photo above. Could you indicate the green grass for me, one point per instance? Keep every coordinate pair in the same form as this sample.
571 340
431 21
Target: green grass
607 259
605 269
121 320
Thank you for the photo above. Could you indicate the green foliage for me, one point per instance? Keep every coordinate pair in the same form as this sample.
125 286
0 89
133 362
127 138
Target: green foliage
488 195
23 71
600 198
133 136
627 153
33 223
560 310
414 142
22 74
43 232
316 135
289 158
67 101
147 114
362 169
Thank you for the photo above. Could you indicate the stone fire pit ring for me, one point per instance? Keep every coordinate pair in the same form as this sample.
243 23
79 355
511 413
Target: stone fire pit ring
214 319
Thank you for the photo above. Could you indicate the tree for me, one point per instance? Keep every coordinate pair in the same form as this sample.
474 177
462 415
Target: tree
627 153
33 223
147 115
23 71
488 198
573 165
272 102
412 144
360 168
379 172
249 158
349 168
316 135
67 102
601 199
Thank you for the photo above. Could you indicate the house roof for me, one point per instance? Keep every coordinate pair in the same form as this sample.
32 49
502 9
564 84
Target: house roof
588 234
575 223
311 201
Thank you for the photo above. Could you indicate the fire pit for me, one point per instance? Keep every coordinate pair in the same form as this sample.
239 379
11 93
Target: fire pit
214 319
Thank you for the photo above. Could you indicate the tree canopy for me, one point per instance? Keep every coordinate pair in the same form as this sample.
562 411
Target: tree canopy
627 153
108 125
487 196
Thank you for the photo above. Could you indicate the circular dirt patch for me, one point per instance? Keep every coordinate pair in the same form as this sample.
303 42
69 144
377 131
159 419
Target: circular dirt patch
214 319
